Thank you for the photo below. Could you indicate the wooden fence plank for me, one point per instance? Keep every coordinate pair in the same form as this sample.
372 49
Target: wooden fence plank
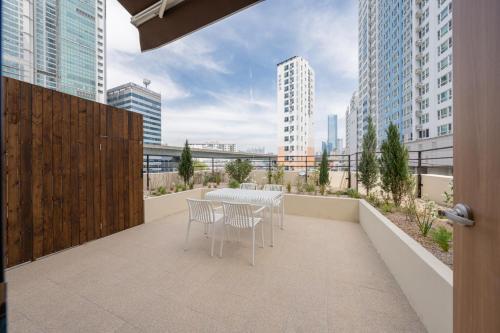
108 157
57 106
89 171
75 216
25 168
36 171
82 168
14 231
66 171
47 173
96 169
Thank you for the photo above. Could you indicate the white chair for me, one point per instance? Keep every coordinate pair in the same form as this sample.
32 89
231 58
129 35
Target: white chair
248 186
281 204
202 211
242 216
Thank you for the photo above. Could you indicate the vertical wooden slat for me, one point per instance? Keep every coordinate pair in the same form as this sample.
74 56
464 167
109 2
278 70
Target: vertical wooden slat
57 105
14 247
75 216
36 170
108 156
82 167
47 173
102 172
66 171
90 171
96 170
26 213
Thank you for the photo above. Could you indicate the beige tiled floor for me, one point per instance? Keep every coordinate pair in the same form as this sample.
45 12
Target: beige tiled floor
322 276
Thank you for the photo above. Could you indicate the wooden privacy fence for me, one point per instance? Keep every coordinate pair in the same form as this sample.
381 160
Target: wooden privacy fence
73 170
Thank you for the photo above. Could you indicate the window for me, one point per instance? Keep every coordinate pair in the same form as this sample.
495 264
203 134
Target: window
444 96
445 79
286 128
444 113
444 63
444 129
444 29
424 104
444 13
445 46
423 134
424 119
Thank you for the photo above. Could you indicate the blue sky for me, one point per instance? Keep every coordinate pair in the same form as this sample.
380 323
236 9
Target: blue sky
219 84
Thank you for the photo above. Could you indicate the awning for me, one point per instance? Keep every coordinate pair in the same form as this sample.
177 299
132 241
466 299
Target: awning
161 22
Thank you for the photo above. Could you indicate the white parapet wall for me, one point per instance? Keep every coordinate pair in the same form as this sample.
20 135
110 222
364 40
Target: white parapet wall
434 186
333 208
426 281
169 204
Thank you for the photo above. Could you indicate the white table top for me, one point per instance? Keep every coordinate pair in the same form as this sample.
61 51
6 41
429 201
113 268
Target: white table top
255 197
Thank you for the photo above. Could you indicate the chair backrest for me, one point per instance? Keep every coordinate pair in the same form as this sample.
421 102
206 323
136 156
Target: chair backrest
248 186
238 215
201 210
273 187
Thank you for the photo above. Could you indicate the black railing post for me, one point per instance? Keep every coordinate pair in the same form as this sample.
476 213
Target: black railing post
419 175
213 170
306 168
357 176
147 172
348 171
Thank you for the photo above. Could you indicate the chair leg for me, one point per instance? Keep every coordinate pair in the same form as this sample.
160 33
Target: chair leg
206 229
222 241
262 233
253 246
213 240
187 236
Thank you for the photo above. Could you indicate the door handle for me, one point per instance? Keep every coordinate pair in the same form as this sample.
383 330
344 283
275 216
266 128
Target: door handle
460 214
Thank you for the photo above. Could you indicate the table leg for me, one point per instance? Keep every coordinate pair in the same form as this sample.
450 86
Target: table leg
271 223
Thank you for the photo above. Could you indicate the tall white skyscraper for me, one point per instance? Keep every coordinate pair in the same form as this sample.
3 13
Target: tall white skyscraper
56 44
405 70
351 125
295 111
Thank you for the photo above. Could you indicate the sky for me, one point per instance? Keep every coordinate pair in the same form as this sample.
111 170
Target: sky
219 83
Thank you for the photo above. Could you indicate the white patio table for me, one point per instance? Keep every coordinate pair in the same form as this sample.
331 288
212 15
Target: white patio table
269 199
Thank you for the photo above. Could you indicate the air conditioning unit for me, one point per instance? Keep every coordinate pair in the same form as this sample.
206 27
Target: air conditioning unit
418 127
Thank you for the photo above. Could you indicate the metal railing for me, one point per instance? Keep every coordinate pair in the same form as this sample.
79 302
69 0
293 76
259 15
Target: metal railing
434 160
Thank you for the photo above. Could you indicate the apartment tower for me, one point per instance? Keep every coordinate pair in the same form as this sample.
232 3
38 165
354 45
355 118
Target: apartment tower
295 112
56 44
136 98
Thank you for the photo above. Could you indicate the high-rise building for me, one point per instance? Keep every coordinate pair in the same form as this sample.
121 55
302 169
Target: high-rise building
56 44
409 44
351 125
133 97
368 31
295 111
332 131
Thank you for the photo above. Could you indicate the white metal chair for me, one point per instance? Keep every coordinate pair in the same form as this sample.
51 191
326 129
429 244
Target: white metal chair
242 216
248 186
281 204
202 211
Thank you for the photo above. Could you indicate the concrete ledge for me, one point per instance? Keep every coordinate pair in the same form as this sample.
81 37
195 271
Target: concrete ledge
434 186
168 204
426 281
333 208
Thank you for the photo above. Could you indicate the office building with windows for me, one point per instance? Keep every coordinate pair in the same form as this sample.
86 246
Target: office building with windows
133 97
56 44
351 125
409 43
331 144
295 111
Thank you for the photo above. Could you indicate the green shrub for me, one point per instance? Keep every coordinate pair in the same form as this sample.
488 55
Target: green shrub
186 168
279 175
234 184
442 237
191 186
448 195
352 193
206 180
309 187
387 207
423 214
217 178
239 170
324 178
394 171
289 187
159 191
368 166
299 185
180 187
373 200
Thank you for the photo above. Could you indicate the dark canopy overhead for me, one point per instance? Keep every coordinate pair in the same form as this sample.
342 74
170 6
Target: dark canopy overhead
162 21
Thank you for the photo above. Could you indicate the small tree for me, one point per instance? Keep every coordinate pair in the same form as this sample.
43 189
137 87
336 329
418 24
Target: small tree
186 168
324 177
239 170
394 169
368 167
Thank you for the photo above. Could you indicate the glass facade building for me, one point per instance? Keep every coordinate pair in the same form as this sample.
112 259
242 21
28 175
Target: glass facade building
133 97
56 44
